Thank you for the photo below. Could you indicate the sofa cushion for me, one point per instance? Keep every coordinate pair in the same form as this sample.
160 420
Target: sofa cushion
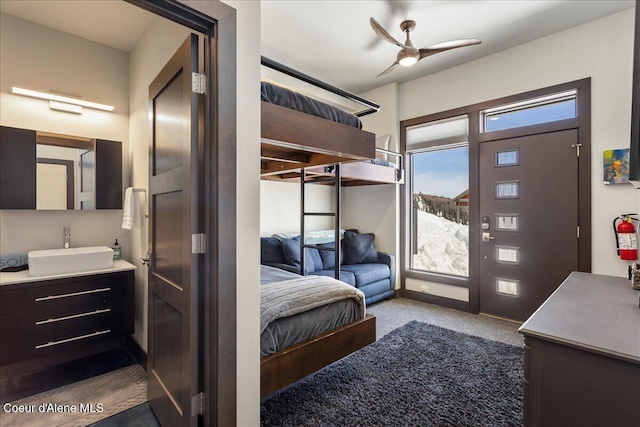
359 248
345 276
329 257
271 251
367 273
291 250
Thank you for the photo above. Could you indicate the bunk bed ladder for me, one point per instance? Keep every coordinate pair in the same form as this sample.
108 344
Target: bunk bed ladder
335 214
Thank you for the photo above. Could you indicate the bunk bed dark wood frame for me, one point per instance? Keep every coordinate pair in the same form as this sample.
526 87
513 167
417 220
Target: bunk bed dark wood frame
292 140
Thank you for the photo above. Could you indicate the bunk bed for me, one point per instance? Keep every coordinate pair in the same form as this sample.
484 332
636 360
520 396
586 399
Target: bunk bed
293 142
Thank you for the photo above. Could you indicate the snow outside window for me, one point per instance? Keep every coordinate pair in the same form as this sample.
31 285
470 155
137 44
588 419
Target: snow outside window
439 230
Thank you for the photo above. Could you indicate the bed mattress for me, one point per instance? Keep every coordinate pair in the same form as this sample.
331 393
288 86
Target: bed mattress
287 331
295 101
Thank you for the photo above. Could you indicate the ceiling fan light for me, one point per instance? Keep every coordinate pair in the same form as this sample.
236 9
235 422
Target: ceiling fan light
407 61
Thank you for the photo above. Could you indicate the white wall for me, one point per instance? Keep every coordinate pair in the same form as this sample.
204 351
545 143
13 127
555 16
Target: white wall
601 50
39 58
248 212
375 208
155 47
280 207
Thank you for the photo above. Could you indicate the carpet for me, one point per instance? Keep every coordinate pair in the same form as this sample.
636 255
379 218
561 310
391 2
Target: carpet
82 403
417 375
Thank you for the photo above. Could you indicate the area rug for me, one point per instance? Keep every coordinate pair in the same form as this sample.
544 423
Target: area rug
417 375
80 404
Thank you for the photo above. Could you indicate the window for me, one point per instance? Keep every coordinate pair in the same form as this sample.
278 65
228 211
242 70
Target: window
439 186
559 106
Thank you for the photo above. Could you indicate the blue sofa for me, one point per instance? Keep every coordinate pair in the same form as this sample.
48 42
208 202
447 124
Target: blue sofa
361 265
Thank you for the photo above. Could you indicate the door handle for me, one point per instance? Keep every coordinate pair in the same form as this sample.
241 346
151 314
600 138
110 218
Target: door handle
145 260
487 237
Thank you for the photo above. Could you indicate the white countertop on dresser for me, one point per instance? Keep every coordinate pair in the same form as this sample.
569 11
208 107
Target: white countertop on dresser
24 276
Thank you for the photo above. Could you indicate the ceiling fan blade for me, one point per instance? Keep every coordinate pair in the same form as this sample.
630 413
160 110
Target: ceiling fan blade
382 33
388 70
441 47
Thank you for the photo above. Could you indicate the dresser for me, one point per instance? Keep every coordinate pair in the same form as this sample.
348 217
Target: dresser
49 320
582 355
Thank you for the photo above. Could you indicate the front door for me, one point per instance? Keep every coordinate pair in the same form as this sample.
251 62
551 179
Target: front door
529 220
174 272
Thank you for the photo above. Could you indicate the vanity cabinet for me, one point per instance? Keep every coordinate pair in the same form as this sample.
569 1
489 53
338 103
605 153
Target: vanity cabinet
48 322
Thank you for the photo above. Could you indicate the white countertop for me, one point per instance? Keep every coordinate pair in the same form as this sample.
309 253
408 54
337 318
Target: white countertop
24 276
593 312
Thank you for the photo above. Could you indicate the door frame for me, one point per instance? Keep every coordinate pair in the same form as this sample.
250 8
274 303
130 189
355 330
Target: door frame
473 112
217 22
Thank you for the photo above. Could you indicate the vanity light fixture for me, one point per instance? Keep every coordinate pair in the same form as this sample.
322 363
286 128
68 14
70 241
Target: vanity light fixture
61 99
63 106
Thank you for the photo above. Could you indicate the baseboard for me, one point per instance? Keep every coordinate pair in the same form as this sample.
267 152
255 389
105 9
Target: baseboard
436 300
137 352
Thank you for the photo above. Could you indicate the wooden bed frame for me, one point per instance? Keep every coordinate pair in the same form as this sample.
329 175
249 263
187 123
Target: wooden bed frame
351 174
292 140
285 367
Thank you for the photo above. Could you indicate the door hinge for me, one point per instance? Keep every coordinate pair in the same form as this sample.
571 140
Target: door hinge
197 404
578 231
577 147
198 83
198 243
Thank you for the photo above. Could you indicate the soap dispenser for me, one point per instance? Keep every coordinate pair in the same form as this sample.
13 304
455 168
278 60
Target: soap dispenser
117 250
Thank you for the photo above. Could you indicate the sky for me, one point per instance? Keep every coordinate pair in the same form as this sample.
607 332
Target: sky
441 172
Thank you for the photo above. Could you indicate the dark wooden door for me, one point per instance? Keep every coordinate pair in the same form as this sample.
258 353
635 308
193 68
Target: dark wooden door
529 216
174 272
17 168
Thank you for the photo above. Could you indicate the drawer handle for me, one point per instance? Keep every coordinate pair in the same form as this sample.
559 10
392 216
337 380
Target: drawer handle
73 316
81 337
74 294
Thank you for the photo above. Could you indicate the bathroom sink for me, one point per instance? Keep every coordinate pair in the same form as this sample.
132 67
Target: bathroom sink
72 260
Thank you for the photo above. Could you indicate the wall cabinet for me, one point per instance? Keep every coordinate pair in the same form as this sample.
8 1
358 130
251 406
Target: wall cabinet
23 180
49 322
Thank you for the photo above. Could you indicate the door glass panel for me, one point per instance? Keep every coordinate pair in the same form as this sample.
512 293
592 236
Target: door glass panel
507 222
440 215
507 158
506 254
507 190
508 287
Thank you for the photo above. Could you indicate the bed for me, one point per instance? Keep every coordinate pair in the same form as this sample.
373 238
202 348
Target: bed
307 322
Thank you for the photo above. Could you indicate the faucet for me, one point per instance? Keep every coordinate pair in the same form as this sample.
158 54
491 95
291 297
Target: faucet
67 236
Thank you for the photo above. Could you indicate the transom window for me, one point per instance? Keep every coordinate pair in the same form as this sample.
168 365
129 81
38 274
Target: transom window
535 111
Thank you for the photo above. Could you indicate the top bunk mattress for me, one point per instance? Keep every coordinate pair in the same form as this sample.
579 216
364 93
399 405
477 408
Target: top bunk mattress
295 101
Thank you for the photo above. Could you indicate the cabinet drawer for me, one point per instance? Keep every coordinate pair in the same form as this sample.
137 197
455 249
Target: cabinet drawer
43 321
54 294
69 340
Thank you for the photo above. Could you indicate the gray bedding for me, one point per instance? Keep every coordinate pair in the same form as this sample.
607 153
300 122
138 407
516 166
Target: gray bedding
295 101
294 308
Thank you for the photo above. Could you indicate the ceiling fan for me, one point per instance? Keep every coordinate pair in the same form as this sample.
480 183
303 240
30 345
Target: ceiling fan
408 54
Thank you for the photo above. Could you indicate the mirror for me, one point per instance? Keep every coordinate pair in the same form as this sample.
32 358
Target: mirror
48 171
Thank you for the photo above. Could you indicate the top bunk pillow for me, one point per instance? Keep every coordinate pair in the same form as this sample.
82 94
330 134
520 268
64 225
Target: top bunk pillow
359 248
382 142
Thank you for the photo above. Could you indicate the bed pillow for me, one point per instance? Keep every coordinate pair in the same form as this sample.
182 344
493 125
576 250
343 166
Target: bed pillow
291 250
271 251
359 248
382 142
329 257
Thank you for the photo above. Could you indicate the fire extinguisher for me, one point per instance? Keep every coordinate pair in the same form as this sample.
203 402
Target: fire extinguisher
626 239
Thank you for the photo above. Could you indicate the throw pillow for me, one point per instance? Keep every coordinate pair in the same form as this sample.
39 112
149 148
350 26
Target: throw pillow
291 249
329 257
271 251
359 248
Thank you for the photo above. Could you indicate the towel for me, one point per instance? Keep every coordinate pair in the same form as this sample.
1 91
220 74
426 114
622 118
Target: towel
131 210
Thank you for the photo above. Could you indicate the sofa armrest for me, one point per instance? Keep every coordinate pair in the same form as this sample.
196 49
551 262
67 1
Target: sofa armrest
286 267
390 261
